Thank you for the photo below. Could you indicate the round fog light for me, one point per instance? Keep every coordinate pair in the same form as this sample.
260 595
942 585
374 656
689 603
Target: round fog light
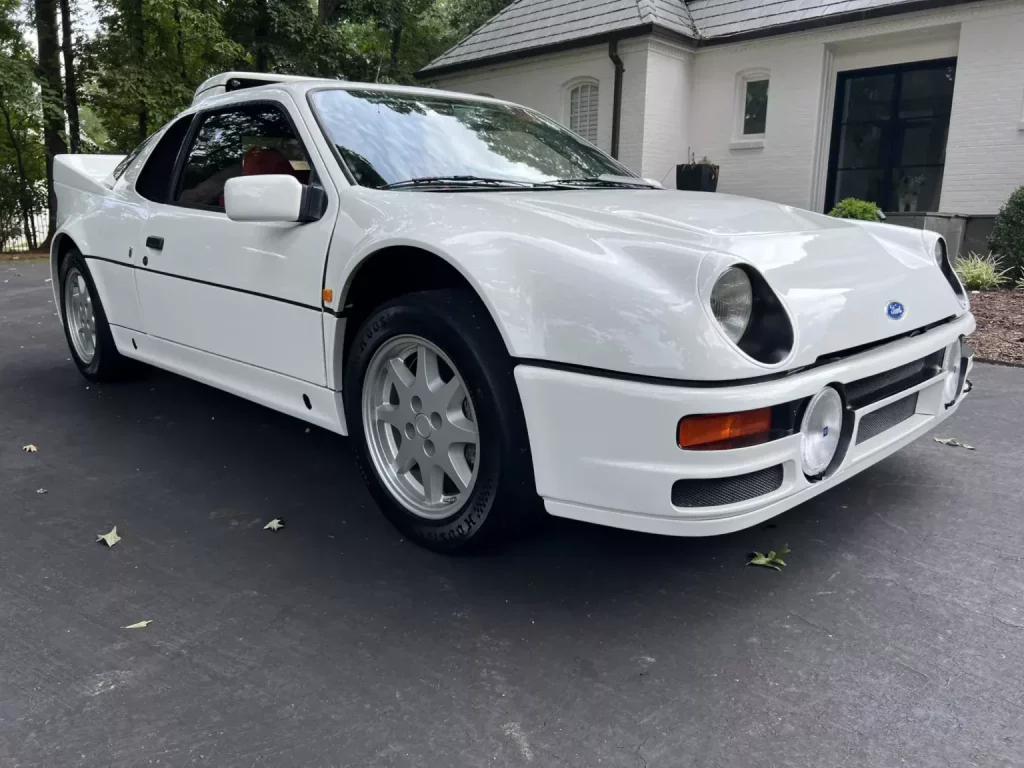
820 429
951 365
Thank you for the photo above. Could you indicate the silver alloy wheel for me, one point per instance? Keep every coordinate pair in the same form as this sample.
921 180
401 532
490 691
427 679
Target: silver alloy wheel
420 427
80 318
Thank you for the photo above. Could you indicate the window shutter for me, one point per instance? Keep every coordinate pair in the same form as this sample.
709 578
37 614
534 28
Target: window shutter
583 111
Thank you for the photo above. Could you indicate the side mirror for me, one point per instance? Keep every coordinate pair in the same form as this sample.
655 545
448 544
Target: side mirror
273 197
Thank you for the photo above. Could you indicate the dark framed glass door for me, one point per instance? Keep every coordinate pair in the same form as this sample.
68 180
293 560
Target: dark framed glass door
889 131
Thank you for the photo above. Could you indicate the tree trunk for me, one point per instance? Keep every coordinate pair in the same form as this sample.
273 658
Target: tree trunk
181 40
138 38
70 78
48 72
397 24
325 10
262 31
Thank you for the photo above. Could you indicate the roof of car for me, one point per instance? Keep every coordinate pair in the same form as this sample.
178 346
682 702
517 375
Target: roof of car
536 26
243 85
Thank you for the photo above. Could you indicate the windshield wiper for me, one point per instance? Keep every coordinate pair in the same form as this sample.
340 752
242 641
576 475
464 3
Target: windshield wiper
609 180
482 181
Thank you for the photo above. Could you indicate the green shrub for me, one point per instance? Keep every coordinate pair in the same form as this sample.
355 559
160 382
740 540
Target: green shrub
1007 238
852 208
981 273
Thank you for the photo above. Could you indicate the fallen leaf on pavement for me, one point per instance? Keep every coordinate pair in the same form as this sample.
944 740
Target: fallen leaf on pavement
29 448
952 442
772 560
274 525
110 538
139 624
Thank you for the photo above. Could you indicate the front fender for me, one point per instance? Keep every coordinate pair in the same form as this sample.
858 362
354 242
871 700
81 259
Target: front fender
617 300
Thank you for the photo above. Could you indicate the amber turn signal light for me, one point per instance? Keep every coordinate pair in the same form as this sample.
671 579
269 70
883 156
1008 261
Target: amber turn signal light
703 431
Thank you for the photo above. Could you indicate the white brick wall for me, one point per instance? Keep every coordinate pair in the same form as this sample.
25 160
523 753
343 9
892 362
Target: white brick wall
985 149
632 136
782 169
667 100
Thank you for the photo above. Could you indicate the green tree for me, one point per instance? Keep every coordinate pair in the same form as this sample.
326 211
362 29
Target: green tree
148 58
22 162
462 17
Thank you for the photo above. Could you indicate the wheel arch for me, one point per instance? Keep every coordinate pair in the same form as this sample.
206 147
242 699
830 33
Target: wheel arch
395 270
60 247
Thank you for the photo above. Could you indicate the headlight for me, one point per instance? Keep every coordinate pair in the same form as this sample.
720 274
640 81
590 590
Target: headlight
820 430
952 364
732 300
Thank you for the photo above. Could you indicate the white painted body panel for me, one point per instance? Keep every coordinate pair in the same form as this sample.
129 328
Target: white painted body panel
274 390
225 262
270 335
604 450
601 284
618 280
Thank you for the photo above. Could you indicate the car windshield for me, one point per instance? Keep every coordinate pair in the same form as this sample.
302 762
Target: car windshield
387 138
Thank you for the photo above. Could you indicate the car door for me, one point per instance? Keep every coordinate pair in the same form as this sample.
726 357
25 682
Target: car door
248 291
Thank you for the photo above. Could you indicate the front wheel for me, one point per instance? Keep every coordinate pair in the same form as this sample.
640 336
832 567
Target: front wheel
440 436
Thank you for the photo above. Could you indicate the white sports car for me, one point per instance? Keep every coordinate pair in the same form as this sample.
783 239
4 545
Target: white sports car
496 311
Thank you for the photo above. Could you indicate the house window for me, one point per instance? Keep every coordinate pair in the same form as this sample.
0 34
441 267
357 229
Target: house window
583 111
755 107
889 135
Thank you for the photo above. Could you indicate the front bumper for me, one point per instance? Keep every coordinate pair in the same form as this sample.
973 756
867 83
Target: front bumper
604 448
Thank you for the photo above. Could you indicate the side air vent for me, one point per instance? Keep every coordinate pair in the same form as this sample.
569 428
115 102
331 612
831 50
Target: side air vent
726 490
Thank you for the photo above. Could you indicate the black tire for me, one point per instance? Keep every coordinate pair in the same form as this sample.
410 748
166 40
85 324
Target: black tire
503 501
107 363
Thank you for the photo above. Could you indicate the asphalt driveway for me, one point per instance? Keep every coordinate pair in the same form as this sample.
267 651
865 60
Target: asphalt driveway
895 637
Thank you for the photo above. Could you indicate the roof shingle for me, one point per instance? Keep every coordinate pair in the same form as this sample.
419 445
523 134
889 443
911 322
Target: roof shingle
526 25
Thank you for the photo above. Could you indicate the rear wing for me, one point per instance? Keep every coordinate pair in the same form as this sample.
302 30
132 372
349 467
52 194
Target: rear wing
89 173
226 82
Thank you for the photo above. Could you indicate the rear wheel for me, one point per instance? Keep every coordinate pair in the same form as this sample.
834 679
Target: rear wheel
439 432
85 323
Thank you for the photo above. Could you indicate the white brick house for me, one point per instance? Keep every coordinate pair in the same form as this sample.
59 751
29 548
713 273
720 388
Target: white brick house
917 104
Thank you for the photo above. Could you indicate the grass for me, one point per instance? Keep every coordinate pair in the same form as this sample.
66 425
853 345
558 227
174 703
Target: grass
981 273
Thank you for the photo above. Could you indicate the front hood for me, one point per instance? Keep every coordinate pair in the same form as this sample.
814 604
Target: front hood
692 215
835 277
619 279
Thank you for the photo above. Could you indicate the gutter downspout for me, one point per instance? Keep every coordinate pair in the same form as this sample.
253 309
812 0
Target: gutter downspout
613 54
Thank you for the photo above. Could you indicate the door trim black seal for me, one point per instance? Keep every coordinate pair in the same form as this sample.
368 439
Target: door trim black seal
207 282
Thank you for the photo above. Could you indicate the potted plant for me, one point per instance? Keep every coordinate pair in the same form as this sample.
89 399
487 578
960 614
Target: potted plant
697 176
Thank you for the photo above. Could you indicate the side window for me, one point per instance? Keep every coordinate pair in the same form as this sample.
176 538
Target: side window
153 182
243 141
121 167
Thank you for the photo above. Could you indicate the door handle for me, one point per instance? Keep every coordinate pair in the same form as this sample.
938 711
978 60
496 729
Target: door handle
156 243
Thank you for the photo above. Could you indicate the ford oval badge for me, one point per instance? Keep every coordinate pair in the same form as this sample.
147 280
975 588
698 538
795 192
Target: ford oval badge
894 310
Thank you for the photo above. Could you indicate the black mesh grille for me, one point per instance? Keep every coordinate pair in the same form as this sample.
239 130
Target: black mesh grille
880 386
874 388
876 422
726 490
